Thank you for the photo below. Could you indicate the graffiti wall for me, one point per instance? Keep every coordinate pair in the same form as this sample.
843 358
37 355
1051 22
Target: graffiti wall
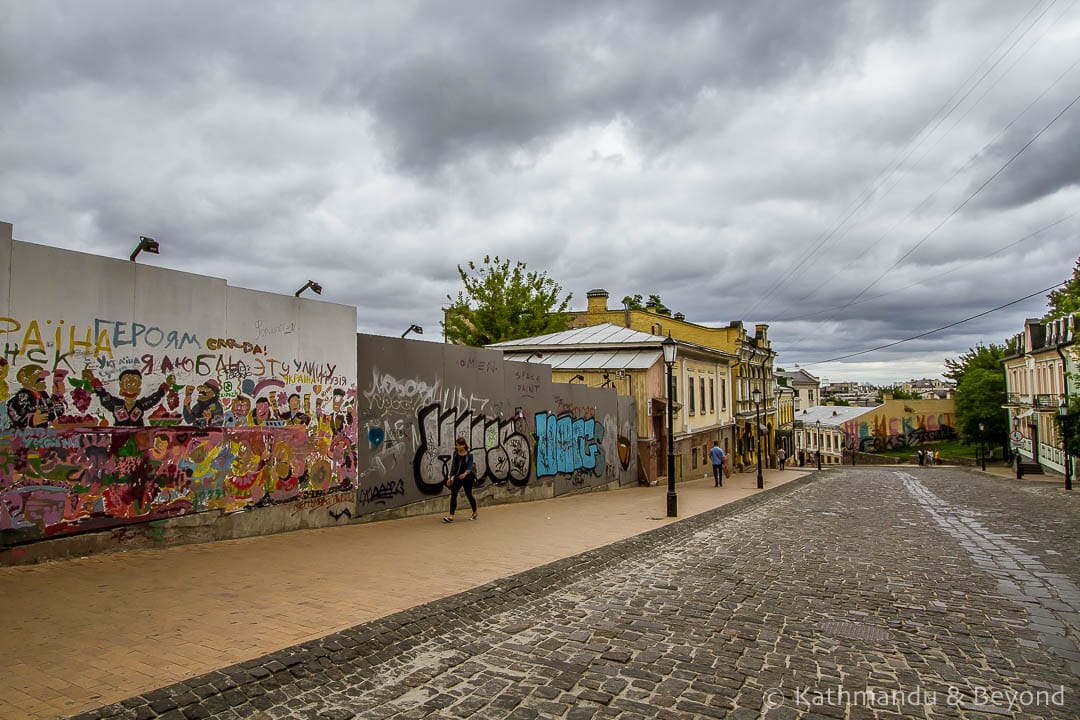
131 393
900 424
415 399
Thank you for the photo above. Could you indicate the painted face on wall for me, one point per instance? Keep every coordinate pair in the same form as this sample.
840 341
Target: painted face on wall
241 406
294 403
262 409
160 447
130 384
206 393
32 377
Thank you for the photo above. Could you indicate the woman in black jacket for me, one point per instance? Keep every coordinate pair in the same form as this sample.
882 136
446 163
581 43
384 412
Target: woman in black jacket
462 475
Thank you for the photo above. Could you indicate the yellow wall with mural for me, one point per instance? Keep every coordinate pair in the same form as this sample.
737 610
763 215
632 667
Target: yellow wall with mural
902 423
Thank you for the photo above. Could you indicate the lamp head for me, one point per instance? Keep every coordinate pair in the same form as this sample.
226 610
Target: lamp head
1063 407
671 349
310 284
756 395
146 244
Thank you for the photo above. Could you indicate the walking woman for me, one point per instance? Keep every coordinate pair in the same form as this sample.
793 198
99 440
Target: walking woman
462 475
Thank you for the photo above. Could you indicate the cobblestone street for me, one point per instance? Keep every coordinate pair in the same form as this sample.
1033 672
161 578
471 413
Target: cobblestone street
855 593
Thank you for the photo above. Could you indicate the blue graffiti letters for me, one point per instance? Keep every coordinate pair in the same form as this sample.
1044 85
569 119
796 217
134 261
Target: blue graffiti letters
565 444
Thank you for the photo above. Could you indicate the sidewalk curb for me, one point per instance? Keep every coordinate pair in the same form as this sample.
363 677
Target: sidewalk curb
375 641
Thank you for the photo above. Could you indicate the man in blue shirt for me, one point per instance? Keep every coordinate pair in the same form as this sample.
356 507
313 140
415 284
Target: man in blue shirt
717 456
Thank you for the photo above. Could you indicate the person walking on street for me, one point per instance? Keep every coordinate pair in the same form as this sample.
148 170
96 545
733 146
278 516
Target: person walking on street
717 457
781 457
462 476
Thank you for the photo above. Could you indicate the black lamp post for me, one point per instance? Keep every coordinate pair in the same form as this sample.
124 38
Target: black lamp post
982 446
1063 413
756 395
670 351
414 328
818 423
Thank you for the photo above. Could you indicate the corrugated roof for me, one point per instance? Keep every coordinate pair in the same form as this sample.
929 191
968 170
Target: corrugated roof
604 333
587 360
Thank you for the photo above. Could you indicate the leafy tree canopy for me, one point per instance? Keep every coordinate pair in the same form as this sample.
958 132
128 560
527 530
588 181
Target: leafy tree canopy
988 357
897 392
503 301
837 400
980 393
654 303
1065 300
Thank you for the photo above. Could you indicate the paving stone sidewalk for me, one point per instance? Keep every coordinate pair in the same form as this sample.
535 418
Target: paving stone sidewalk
867 592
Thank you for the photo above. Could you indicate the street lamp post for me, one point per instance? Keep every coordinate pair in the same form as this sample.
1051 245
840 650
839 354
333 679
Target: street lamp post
670 351
818 444
982 446
756 395
1063 412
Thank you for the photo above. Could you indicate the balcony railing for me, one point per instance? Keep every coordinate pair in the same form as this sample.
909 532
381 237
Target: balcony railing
1022 399
1047 401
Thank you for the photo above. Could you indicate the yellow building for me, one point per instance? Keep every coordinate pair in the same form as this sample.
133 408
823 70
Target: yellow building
748 367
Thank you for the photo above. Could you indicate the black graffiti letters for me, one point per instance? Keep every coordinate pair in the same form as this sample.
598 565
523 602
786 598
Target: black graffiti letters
502 454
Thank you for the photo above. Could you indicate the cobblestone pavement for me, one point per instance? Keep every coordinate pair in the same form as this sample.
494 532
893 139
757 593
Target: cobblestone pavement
855 593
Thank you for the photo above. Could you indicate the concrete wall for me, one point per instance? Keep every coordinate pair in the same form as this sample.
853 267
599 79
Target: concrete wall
132 395
531 438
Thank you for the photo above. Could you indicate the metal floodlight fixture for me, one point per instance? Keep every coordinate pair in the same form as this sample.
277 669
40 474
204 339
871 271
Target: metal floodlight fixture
414 328
146 244
671 349
577 377
538 355
310 284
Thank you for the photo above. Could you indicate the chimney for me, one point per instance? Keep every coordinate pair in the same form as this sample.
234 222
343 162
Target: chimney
597 300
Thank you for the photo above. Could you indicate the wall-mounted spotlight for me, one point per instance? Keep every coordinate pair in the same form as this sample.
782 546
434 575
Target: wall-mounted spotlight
537 355
577 377
310 284
146 244
414 328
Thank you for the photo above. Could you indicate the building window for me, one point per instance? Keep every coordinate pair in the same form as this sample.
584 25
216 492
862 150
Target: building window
701 382
674 388
712 395
723 394
690 393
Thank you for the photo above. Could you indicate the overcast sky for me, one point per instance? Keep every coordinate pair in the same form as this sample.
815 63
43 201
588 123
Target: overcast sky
827 168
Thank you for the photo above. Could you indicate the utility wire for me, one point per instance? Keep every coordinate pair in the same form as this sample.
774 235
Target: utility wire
931 332
895 165
923 281
970 197
926 201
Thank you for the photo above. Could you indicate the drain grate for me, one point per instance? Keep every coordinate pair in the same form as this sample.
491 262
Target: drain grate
856 631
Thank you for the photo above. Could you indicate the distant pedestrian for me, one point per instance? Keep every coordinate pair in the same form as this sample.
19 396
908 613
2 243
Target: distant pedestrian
922 457
716 454
781 457
462 476
937 457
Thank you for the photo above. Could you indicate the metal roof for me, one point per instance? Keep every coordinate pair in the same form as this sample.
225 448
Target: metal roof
604 333
600 360
832 414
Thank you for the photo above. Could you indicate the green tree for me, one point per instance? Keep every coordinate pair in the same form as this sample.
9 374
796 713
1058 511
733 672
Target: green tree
837 400
1065 300
897 392
980 393
503 302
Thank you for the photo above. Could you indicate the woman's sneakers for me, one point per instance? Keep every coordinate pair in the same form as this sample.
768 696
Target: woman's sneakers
448 519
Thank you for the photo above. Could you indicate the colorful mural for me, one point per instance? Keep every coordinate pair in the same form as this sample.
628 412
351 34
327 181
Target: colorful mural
886 429
110 422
